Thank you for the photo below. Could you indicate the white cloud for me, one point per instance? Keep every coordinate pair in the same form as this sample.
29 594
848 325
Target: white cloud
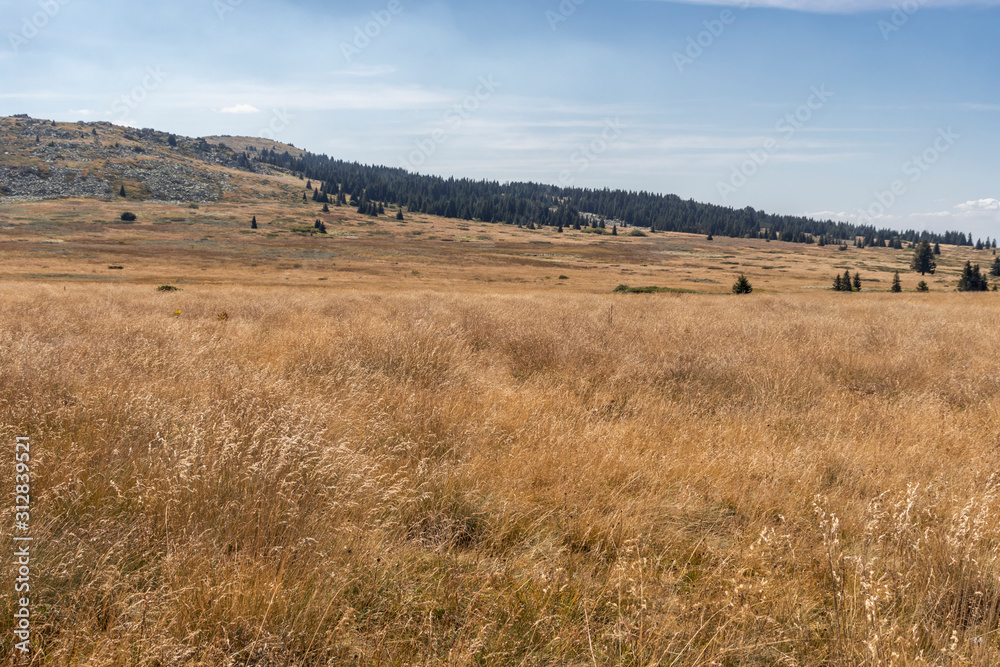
82 112
979 205
240 108
833 6
125 123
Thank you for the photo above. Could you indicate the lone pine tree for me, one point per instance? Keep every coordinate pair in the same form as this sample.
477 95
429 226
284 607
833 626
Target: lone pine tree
923 259
896 285
253 223
742 285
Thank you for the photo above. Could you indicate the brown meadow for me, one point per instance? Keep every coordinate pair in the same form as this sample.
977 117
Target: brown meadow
425 476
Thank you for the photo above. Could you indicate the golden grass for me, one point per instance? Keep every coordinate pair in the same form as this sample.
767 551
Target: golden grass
418 477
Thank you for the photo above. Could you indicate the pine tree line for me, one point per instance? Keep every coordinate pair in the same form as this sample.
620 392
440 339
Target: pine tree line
538 204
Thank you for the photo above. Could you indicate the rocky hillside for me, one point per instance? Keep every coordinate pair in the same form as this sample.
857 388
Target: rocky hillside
42 159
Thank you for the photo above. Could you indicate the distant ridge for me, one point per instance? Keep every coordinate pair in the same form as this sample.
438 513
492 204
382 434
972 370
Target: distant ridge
45 160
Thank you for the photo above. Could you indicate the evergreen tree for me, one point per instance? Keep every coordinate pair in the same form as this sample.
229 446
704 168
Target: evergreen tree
923 259
399 213
121 193
326 208
937 248
253 223
742 285
309 185
857 281
896 285
845 282
560 228
923 287
837 284
304 197
972 279
614 230
995 271
709 238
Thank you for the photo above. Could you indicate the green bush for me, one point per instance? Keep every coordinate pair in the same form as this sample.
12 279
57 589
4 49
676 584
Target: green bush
167 288
128 217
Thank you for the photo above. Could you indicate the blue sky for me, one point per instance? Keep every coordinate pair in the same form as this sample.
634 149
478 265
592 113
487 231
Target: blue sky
875 110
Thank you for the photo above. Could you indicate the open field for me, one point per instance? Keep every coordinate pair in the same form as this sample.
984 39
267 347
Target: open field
77 240
412 476
448 442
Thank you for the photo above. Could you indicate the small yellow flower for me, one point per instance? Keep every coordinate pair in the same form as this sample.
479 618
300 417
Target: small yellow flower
177 313
223 316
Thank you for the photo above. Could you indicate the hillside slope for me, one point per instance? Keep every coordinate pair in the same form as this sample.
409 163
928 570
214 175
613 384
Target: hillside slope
47 160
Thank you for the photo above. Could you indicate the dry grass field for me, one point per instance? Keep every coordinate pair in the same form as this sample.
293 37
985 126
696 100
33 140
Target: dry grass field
444 442
403 474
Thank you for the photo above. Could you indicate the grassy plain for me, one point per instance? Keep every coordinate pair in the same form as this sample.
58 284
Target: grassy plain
419 443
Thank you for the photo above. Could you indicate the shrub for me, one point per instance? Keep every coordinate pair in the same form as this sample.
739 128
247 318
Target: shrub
923 287
167 288
128 217
637 232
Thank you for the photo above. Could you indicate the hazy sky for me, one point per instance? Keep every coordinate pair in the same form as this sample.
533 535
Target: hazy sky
828 108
